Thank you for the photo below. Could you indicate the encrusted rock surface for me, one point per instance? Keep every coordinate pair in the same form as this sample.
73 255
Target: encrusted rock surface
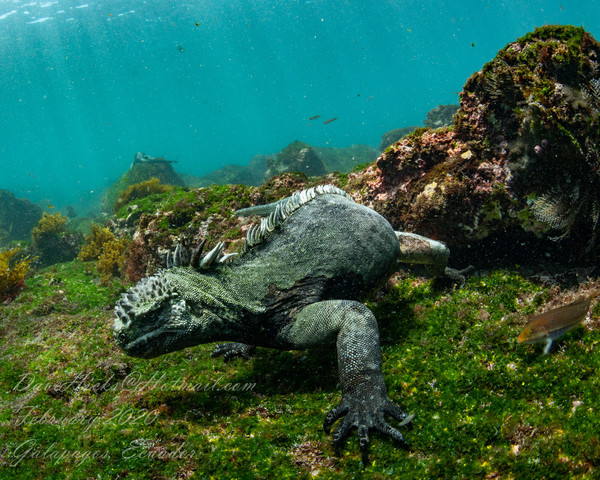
392 136
521 161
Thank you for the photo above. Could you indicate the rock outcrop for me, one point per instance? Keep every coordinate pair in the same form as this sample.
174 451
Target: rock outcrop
17 217
296 157
521 162
142 168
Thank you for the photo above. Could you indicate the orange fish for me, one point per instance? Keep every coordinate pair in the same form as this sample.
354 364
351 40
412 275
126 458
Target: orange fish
553 324
330 120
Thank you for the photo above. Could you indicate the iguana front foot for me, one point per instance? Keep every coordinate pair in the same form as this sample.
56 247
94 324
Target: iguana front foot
232 350
365 411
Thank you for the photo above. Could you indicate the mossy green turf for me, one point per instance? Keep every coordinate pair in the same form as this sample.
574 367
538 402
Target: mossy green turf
220 199
485 406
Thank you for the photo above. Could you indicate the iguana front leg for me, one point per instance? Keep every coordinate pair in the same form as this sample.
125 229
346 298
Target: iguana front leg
364 395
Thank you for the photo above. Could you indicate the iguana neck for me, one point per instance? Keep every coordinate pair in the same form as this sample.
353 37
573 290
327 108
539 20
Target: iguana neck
224 293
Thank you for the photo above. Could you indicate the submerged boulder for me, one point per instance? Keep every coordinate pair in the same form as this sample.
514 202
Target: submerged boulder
296 157
522 160
52 242
327 159
17 217
143 167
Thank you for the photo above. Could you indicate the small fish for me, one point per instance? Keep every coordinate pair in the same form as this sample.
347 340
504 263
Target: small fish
553 324
314 117
330 120
180 48
50 206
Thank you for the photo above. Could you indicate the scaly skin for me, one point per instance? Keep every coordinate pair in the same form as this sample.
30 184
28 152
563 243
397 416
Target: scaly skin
299 284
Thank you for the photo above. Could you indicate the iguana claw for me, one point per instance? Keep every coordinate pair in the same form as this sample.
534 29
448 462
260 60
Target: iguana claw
365 414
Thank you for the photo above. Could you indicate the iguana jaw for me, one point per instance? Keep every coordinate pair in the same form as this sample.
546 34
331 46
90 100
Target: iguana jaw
149 345
148 334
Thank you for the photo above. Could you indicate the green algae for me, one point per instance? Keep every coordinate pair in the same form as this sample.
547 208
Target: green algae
140 190
155 201
485 406
566 33
213 199
65 287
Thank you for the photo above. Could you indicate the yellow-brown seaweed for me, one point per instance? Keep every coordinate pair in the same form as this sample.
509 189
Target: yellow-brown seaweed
553 324
12 273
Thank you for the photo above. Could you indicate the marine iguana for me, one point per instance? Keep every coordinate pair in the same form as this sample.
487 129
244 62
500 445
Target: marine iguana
299 283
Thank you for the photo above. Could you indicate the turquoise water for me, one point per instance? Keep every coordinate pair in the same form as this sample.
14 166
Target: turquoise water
87 84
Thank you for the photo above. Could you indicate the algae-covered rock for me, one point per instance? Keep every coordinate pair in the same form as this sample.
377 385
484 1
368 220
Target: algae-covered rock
140 190
143 168
17 217
52 242
520 163
296 157
440 116
186 216
537 106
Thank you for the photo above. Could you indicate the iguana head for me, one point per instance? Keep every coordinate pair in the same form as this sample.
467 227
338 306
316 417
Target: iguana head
165 312
152 319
